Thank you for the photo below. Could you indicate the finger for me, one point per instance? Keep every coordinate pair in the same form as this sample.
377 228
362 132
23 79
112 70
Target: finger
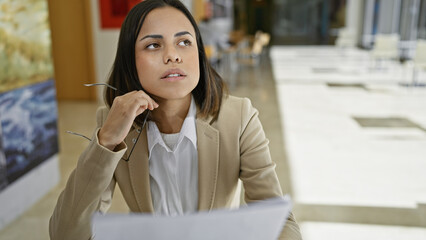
141 95
136 99
140 111
151 100
147 102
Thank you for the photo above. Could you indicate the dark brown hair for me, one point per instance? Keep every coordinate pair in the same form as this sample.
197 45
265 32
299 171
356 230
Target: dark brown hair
210 88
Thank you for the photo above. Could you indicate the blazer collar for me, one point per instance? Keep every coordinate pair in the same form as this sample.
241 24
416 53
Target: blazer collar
208 165
139 170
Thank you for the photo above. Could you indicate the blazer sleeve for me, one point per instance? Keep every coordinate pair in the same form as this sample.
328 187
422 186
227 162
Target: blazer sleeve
257 168
89 189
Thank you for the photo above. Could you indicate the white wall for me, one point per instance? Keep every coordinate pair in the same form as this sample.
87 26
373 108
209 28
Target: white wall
354 17
27 190
104 46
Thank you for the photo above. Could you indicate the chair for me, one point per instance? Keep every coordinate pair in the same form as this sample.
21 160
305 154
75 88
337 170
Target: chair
346 38
249 53
386 47
264 39
419 60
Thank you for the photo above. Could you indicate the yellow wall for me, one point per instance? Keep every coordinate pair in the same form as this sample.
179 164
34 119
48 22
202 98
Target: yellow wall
198 10
72 48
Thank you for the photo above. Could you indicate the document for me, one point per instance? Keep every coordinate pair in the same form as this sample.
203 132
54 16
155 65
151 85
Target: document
260 220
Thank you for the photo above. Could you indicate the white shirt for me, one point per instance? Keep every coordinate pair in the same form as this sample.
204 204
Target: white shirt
173 167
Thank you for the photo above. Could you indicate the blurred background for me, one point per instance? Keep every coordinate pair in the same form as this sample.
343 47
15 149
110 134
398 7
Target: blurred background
340 86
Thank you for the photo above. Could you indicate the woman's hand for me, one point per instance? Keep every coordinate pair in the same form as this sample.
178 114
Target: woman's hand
120 118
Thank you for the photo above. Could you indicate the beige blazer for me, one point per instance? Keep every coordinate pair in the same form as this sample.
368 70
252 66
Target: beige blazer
231 148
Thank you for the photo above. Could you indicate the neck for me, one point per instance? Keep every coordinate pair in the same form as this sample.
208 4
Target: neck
171 114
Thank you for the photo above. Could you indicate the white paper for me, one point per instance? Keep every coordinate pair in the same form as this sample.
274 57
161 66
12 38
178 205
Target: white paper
261 220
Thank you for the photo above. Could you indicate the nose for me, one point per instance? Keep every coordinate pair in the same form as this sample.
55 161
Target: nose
171 55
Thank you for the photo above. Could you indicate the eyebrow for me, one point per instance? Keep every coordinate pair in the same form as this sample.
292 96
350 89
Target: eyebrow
182 33
161 36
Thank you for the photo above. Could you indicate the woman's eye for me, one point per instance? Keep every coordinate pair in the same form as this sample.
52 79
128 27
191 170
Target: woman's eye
152 46
184 43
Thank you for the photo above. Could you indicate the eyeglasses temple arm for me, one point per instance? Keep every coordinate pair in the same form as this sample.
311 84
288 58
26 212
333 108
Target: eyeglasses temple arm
80 135
104 84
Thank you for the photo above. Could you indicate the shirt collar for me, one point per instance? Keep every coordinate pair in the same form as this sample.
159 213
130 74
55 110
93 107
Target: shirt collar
188 130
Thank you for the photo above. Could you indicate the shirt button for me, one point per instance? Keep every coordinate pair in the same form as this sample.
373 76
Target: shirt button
134 140
138 130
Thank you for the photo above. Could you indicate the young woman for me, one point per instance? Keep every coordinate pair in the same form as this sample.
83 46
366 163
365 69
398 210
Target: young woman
194 147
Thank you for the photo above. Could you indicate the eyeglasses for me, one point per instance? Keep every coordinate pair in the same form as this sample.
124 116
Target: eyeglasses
135 140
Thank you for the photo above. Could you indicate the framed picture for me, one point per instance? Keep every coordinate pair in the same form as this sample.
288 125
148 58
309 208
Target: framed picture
29 133
25 44
113 12
3 173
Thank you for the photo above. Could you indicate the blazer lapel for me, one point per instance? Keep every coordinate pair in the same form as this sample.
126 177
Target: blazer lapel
139 170
208 163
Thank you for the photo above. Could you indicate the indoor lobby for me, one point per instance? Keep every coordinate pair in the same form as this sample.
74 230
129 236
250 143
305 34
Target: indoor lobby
342 100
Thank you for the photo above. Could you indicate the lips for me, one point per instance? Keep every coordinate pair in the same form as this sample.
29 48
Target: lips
173 73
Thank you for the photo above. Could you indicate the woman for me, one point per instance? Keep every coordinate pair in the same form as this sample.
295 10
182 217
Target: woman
195 146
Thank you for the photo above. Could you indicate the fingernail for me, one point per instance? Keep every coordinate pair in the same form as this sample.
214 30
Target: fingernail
156 105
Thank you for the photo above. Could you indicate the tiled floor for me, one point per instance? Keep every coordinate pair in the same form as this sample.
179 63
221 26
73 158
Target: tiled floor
335 169
355 140
321 230
365 165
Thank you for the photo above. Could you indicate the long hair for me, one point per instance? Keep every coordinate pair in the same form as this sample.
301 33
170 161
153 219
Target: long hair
210 89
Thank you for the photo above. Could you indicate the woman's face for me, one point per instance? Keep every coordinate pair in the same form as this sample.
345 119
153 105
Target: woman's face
166 54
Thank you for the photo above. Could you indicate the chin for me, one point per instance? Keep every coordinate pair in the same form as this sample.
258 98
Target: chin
173 96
